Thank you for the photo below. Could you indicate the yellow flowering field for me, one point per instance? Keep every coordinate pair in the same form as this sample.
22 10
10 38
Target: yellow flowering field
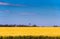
27 31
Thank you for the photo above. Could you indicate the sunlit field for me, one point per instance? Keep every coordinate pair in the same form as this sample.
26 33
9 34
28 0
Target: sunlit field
28 31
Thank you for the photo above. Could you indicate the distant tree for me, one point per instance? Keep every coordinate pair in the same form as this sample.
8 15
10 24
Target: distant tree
55 26
34 25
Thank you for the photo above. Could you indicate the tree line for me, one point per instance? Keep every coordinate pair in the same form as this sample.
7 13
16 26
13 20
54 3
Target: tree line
25 26
17 25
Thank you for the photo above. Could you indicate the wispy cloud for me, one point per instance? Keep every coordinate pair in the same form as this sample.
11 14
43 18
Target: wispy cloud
10 4
3 3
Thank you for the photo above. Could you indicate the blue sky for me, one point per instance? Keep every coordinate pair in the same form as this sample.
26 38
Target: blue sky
39 12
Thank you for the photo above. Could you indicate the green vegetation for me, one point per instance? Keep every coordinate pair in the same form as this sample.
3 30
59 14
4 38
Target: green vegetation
18 25
28 37
26 26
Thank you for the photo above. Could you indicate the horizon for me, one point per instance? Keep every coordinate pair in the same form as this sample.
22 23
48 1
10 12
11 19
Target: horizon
39 12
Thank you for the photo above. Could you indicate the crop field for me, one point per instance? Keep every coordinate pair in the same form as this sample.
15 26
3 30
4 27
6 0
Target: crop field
29 31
